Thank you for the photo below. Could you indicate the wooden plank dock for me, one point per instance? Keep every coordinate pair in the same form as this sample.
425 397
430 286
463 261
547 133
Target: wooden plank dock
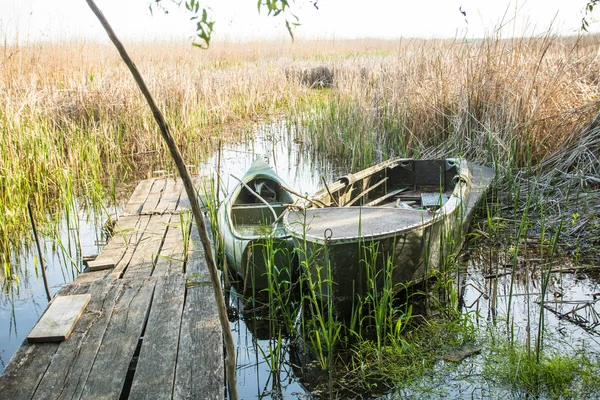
150 330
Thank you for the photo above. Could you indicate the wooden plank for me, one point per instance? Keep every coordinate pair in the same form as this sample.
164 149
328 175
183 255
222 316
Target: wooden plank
199 372
385 197
155 370
107 376
153 199
361 194
99 265
59 319
71 365
129 245
139 196
170 196
27 366
25 369
90 277
126 235
196 269
145 255
200 184
179 189
171 257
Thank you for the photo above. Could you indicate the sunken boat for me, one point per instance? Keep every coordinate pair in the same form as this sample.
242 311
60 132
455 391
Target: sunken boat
257 246
389 226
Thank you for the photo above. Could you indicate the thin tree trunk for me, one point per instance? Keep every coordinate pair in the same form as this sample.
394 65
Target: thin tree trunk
191 193
39 249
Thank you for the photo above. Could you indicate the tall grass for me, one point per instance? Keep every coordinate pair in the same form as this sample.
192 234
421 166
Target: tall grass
516 100
73 124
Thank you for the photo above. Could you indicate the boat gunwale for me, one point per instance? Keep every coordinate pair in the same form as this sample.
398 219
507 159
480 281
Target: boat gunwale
230 200
458 200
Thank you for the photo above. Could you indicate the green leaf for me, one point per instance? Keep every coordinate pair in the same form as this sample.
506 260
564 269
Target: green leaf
289 28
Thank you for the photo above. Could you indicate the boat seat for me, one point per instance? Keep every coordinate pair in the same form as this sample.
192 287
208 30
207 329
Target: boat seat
433 200
255 214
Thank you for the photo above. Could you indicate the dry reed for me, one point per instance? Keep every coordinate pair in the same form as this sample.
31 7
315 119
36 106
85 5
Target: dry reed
71 115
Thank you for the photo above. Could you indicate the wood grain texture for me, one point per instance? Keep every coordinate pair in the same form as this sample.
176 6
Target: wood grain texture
28 365
196 270
25 369
182 350
126 236
170 196
107 376
171 257
66 376
155 370
99 265
148 248
201 184
154 196
200 373
172 206
138 198
130 242
59 319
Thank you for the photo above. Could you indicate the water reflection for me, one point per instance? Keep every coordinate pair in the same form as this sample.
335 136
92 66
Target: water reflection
571 301
301 171
23 300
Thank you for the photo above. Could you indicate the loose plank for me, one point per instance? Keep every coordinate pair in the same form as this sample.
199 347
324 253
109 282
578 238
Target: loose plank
155 370
199 372
59 319
99 265
27 366
108 373
71 365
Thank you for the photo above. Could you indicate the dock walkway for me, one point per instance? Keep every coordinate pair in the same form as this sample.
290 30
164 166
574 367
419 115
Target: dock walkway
151 329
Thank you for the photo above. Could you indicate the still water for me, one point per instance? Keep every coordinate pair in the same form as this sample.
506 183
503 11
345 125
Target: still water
571 317
23 302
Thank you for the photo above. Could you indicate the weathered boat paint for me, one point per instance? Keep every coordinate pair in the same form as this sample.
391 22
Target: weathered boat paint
249 227
352 246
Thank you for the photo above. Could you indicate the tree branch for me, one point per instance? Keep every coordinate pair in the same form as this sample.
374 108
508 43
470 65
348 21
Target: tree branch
191 193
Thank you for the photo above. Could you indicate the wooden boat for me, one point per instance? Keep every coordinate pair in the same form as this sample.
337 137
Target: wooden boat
255 240
402 216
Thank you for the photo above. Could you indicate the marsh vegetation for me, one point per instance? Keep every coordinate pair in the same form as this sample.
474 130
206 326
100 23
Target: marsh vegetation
76 135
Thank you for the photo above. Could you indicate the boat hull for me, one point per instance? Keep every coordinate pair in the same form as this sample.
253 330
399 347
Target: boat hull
390 249
257 247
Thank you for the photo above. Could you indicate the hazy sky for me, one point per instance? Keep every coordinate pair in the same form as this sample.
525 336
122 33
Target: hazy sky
32 20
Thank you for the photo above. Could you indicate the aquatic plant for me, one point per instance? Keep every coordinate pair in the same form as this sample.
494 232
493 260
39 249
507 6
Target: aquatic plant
552 375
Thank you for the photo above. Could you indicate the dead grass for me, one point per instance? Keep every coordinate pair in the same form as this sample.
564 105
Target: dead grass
70 113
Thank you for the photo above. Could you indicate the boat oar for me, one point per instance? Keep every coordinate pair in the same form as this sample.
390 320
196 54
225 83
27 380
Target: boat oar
330 195
315 202
257 195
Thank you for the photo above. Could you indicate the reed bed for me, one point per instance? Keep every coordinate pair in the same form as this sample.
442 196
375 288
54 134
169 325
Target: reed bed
73 122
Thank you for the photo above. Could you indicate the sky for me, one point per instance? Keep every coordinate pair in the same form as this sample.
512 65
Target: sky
29 21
